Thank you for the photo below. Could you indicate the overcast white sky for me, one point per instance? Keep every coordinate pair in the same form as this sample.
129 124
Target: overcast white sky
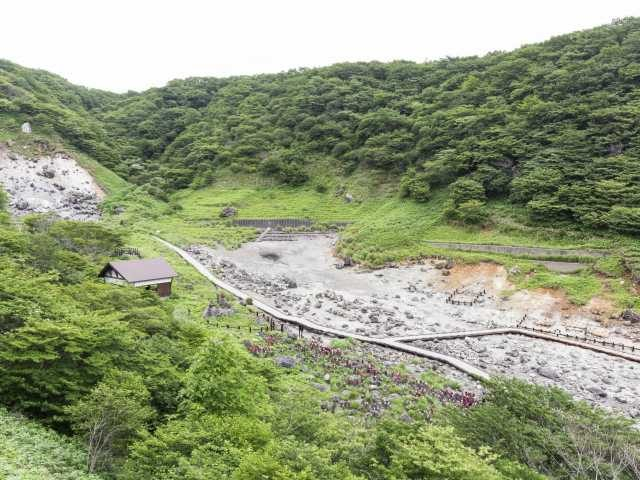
136 44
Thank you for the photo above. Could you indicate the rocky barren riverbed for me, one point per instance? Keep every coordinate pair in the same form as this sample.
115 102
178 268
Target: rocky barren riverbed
49 183
301 277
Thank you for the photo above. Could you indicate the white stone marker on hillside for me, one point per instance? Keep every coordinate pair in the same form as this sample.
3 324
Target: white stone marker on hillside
26 127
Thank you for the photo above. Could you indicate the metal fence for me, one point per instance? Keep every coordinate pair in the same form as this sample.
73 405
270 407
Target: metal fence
282 223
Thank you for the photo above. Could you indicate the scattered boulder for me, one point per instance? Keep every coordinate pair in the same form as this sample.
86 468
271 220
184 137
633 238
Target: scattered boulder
549 372
597 391
348 197
228 212
47 172
290 282
273 256
216 311
630 316
285 362
515 270
405 417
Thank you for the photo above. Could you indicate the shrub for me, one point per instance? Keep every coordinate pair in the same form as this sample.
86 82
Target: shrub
415 185
472 212
466 189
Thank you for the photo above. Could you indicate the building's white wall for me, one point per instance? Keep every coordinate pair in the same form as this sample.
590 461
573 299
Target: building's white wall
151 282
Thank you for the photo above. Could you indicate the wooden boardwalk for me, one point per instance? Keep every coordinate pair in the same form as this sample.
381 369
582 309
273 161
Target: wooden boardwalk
397 343
521 331
314 327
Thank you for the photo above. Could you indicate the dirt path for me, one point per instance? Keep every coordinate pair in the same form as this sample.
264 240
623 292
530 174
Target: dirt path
522 251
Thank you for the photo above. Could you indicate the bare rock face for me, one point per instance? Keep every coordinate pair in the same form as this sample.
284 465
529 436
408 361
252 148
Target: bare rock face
51 183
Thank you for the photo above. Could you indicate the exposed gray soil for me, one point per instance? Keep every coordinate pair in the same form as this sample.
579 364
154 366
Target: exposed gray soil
52 183
300 277
611 382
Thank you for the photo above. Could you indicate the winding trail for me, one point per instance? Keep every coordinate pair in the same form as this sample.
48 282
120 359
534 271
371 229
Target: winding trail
314 327
397 343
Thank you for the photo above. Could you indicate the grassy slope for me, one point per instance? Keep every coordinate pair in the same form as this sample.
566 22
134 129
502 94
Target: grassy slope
29 451
389 229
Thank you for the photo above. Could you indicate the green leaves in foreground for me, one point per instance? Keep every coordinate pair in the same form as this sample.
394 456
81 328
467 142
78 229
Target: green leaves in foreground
114 412
551 433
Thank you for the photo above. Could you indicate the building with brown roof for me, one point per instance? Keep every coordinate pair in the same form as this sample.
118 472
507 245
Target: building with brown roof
151 273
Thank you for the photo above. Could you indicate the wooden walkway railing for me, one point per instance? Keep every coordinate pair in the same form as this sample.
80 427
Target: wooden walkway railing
398 343
533 333
314 327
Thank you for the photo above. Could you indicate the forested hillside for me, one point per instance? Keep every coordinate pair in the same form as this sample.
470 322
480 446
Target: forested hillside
549 133
554 127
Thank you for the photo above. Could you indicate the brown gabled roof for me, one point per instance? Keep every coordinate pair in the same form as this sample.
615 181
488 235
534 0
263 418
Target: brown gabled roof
142 270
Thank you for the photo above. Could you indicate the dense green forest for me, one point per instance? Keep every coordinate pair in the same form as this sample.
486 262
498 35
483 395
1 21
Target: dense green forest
553 127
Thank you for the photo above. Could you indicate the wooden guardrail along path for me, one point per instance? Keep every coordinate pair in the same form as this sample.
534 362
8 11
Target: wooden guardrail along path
559 338
314 327
397 343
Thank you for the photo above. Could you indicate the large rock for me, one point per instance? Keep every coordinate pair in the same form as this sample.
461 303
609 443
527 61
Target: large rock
228 212
48 172
285 362
289 282
630 316
549 372
597 391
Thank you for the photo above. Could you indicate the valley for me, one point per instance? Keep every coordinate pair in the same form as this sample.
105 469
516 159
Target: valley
300 278
448 287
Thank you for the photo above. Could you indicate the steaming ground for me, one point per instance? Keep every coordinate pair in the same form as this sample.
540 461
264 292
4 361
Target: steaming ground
300 277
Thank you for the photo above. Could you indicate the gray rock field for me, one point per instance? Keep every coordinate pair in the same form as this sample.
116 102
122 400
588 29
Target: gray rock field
51 183
300 277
